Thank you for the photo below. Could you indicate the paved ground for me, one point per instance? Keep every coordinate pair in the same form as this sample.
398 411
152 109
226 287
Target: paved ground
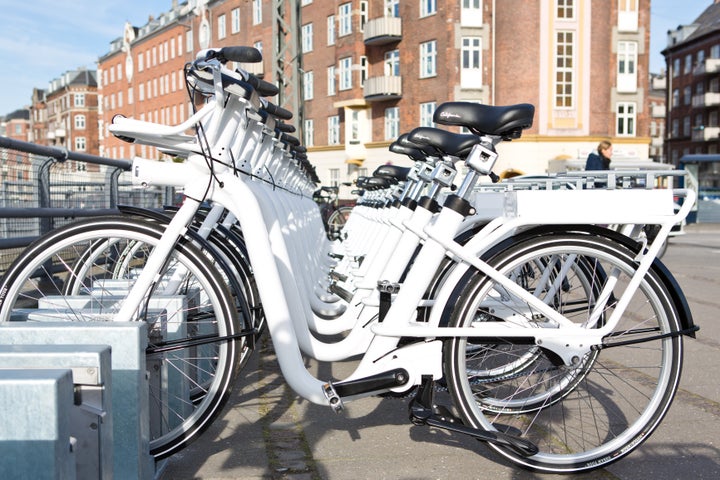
266 433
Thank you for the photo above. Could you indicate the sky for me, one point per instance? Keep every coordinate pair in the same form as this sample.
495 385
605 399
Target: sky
42 39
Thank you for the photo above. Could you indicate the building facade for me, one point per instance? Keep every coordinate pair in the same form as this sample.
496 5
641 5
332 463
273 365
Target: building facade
361 72
693 86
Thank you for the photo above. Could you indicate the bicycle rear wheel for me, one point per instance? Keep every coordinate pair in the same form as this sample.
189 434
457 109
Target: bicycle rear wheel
83 272
583 416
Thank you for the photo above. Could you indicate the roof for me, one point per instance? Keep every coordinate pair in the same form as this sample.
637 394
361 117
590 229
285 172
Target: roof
706 24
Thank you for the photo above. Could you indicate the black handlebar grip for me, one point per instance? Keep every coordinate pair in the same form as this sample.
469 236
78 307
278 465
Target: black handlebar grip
279 112
266 89
494 178
240 54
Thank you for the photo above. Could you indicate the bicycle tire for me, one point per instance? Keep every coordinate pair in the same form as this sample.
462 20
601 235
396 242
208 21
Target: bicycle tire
629 388
189 383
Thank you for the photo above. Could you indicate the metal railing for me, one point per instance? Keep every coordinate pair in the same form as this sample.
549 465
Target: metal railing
42 188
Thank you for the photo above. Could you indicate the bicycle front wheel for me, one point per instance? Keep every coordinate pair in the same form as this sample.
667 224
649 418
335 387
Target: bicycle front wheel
583 416
83 272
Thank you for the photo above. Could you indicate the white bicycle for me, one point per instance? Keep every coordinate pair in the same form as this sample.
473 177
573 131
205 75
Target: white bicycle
559 342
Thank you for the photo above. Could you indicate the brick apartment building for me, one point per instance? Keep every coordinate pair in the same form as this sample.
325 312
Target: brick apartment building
693 86
66 114
359 73
15 125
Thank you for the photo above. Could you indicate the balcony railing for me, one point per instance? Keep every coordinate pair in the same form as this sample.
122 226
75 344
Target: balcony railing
709 99
383 30
383 88
658 111
703 134
710 65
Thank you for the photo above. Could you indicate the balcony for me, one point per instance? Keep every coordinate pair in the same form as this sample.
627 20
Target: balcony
709 99
656 142
658 111
60 133
382 88
710 65
704 134
383 30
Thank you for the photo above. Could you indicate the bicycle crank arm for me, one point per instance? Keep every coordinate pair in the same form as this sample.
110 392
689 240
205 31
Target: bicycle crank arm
423 412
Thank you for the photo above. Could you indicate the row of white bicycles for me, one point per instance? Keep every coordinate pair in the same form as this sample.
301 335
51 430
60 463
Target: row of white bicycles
555 340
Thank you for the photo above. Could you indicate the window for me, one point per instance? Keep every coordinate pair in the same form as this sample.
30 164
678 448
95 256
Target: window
687 95
345 73
675 128
428 7
140 62
79 99
172 49
119 72
306 37
179 44
392 8
392 123
189 41
626 119
715 51
258 46
564 69
334 130
471 68
676 97
676 67
627 67
688 63
141 92
428 56
331 30
363 15
687 128
363 70
334 177
471 13
309 133
308 85
221 27
235 20
80 144
120 99
130 95
80 122
331 89
392 63
426 114
112 75
345 19
628 15
257 12
354 127
565 9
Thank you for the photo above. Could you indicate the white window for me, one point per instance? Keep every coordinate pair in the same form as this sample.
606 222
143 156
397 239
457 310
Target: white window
428 59
345 19
392 123
363 15
257 12
308 133
112 75
119 72
179 44
627 67
332 89
80 144
130 95
306 38
120 99
426 114
345 73
140 63
564 69
308 85
235 20
428 7
141 92
331 30
471 58
628 15
334 130
626 119
221 27
392 8
565 9
688 63
80 122
79 99
258 46
471 13
172 49
334 177
363 70
189 41
392 63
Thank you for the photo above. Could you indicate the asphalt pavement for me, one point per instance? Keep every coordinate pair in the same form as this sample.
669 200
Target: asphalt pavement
266 432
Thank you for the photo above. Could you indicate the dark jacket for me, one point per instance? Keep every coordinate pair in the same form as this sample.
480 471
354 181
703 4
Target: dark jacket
597 162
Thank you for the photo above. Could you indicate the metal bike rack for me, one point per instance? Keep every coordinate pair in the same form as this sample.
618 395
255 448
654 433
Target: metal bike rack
129 383
89 417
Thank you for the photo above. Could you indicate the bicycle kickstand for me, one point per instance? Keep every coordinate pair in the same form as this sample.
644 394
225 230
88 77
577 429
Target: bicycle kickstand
424 412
